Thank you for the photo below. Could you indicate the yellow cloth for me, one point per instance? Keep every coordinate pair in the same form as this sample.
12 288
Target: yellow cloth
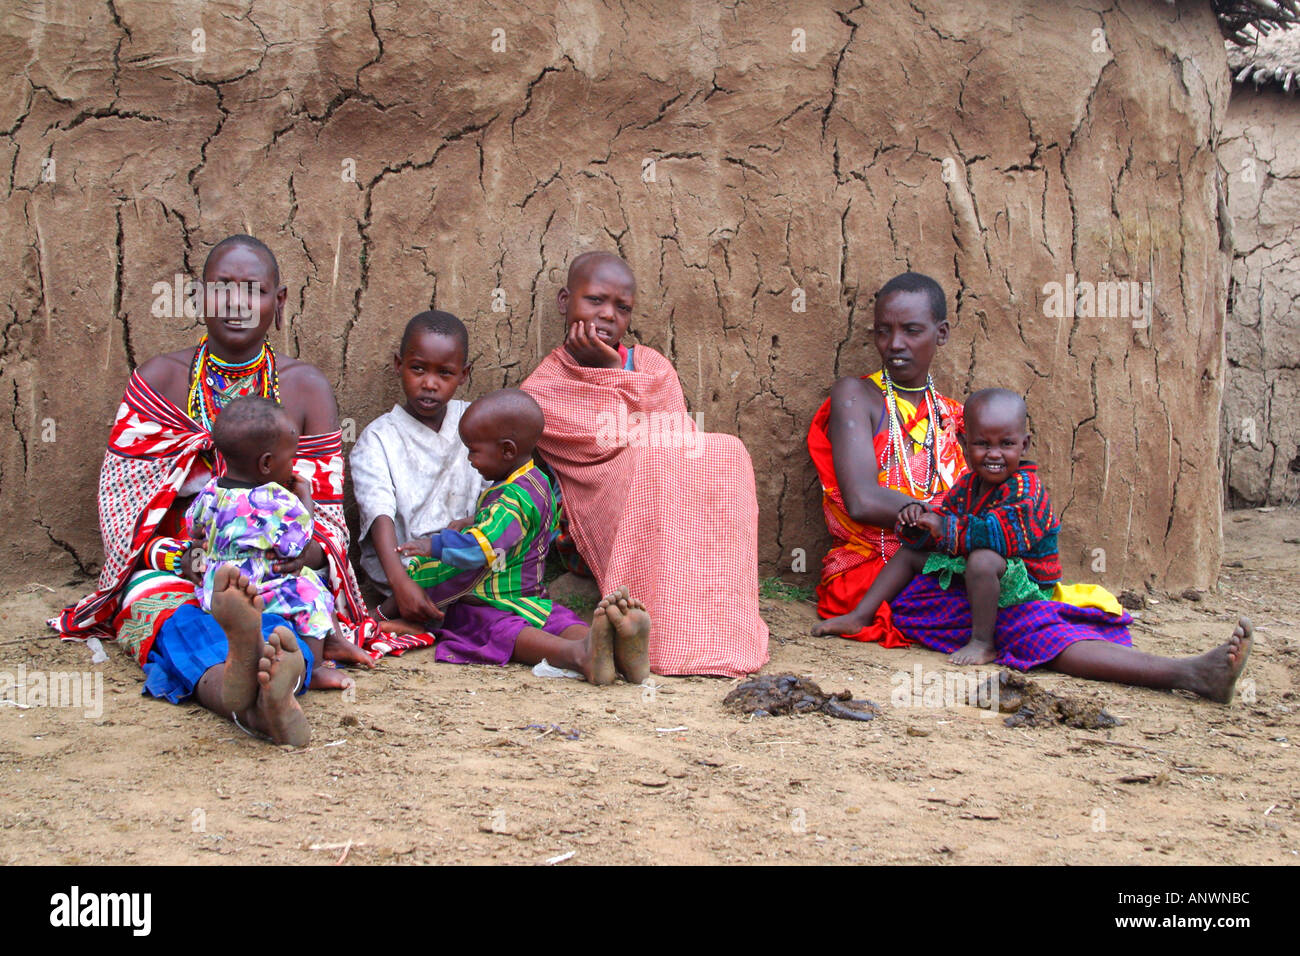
1087 595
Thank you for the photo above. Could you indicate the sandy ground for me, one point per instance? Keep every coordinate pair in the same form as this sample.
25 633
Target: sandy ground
438 763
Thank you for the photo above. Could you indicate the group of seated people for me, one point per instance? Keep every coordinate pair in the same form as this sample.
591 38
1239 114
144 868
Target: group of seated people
227 572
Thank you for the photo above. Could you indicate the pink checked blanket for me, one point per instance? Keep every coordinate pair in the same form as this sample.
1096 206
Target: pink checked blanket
657 505
152 449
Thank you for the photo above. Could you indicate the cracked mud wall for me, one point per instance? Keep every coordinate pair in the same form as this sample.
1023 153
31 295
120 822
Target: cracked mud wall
1261 433
996 146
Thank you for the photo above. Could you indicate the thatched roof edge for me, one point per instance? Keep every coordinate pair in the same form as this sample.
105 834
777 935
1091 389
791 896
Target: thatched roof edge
1270 59
1241 19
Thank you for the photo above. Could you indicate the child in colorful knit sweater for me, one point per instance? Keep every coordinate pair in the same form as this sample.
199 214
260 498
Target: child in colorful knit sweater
995 529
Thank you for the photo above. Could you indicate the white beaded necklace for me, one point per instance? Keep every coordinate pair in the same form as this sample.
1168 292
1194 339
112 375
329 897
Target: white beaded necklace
896 438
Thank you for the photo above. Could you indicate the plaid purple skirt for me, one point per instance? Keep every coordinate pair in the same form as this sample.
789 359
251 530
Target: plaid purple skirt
482 634
1027 634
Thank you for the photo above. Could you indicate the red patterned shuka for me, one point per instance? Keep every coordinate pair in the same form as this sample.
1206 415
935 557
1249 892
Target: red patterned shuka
860 551
152 450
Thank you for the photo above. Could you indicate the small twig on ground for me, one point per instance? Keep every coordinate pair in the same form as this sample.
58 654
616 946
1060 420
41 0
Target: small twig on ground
307 750
1119 743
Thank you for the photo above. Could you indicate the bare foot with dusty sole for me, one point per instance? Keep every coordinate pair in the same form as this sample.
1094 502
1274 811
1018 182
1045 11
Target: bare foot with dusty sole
1221 668
600 659
280 674
237 607
631 622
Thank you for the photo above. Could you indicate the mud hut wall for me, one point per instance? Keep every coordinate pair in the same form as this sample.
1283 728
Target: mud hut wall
764 167
1261 434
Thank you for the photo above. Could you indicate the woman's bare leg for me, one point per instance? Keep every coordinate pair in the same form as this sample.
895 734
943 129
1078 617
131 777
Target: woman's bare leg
889 583
1213 674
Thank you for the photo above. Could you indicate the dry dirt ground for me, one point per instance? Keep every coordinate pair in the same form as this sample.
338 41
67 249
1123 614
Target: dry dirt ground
444 764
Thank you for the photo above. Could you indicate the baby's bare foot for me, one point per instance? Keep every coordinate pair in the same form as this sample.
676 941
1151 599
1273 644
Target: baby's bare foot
344 651
330 678
975 652
237 607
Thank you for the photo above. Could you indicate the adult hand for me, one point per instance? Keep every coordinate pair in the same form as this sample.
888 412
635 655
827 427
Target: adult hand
586 346
413 602
460 524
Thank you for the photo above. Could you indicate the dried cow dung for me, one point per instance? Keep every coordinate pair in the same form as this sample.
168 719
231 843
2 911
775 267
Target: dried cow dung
1031 705
776 695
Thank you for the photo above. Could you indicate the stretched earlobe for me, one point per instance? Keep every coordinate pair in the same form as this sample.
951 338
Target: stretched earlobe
281 294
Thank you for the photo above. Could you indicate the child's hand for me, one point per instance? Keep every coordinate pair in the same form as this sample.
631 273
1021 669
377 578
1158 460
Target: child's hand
302 488
460 524
194 562
585 345
908 515
932 523
416 549
312 556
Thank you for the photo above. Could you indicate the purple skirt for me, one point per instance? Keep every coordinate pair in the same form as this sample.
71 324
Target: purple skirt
482 634
1027 635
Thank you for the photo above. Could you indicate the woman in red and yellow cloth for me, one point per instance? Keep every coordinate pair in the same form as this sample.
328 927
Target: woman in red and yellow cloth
881 442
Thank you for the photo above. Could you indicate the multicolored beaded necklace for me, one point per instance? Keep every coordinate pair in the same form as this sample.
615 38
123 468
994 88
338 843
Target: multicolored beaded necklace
897 463
214 383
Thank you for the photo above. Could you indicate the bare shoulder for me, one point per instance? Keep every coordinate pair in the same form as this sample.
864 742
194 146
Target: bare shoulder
301 374
850 390
169 373
308 395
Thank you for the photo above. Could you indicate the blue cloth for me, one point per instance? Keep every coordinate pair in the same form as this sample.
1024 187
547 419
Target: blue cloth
457 548
189 643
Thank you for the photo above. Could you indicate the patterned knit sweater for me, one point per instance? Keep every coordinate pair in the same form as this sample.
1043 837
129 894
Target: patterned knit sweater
1014 519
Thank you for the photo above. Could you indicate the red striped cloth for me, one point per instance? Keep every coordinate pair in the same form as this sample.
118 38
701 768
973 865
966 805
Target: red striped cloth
678 524
152 449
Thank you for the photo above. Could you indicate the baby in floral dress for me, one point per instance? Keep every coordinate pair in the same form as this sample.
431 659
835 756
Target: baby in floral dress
251 518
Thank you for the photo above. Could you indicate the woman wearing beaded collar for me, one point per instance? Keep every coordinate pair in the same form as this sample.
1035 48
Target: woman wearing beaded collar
881 442
237 662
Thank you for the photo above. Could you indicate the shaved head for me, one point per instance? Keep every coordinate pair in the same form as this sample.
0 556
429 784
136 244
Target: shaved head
589 263
241 241
999 404
247 427
507 413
